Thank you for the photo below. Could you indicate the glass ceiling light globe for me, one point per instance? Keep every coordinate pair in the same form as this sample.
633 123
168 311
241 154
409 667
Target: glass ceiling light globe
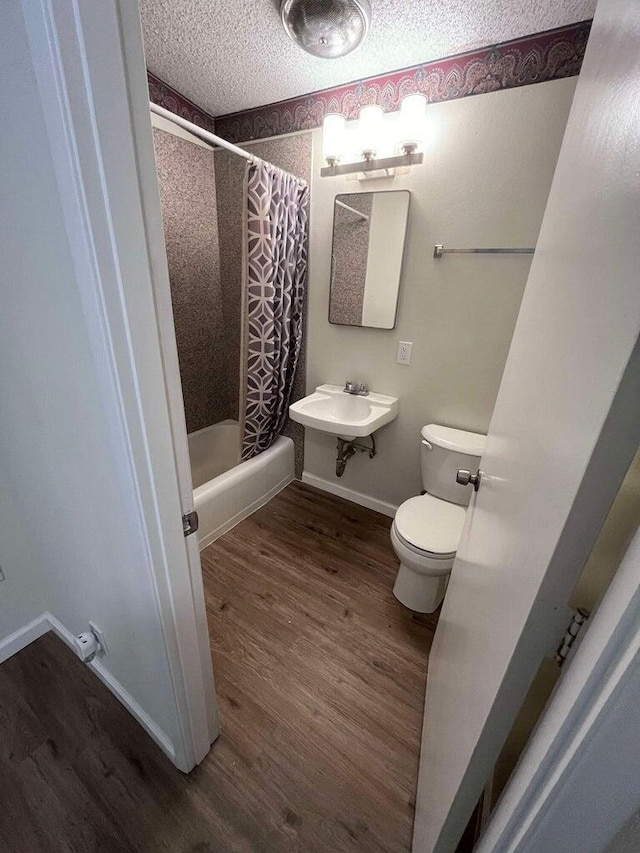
333 138
326 28
370 130
413 122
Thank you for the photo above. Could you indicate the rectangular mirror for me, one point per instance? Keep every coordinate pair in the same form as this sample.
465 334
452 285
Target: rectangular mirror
366 258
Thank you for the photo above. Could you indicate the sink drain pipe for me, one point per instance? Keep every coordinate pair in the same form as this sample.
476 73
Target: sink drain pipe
347 448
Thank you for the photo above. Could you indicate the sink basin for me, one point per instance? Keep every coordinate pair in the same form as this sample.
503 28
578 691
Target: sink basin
329 409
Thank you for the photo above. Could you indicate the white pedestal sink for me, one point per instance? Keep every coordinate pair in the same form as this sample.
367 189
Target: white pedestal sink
330 409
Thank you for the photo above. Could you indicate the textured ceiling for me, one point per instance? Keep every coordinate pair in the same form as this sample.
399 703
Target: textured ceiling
229 55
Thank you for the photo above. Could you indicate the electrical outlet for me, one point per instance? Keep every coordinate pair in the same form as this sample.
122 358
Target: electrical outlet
87 646
404 352
90 643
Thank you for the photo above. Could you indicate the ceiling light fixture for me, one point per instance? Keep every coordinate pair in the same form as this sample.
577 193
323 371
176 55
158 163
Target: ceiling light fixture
326 28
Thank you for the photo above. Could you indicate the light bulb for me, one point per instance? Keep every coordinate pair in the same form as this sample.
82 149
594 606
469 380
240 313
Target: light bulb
370 128
413 122
333 138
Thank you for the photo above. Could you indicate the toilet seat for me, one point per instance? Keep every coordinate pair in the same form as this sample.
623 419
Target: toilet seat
422 552
429 526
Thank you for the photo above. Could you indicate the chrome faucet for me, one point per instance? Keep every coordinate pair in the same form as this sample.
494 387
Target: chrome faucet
357 388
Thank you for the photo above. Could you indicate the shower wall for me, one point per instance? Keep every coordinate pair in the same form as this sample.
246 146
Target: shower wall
350 251
187 182
202 196
293 154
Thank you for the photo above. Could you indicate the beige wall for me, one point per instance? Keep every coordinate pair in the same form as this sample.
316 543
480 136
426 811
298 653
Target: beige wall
484 183
389 215
612 543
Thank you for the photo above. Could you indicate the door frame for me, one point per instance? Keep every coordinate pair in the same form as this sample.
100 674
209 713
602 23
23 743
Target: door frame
90 72
577 784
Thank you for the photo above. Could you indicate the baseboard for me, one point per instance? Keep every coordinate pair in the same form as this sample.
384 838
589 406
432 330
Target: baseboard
112 683
134 709
244 513
349 494
47 622
21 638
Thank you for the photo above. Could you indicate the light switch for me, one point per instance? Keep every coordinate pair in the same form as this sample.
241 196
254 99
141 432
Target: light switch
404 352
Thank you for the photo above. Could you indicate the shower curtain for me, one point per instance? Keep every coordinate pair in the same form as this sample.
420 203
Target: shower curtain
275 277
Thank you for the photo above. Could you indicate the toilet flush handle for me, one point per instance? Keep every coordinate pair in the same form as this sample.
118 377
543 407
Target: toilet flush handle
466 478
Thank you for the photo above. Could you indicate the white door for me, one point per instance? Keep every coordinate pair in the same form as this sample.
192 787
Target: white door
207 729
565 426
90 70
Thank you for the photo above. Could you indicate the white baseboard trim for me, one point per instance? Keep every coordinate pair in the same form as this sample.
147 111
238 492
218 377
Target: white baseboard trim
244 513
21 638
349 494
134 708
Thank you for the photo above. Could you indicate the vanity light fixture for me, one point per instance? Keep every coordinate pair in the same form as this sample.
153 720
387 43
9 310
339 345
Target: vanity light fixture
409 136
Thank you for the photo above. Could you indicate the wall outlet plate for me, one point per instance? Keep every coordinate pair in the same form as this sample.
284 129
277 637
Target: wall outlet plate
404 352
98 633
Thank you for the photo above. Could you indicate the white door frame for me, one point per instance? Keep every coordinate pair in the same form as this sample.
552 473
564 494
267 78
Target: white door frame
90 72
577 783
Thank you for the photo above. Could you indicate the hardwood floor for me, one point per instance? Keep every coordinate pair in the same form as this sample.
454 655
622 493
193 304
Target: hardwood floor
320 676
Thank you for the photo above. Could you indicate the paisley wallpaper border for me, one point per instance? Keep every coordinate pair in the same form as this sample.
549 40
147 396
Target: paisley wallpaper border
534 59
165 96
537 58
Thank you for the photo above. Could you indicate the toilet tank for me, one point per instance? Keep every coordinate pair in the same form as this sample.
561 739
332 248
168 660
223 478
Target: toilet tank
442 452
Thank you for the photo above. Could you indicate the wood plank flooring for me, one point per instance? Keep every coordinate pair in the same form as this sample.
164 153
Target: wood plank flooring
320 676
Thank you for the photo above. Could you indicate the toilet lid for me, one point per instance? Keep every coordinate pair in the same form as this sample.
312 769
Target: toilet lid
431 524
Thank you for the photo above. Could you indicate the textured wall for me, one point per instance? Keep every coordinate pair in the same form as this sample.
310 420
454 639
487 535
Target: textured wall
188 194
350 251
292 153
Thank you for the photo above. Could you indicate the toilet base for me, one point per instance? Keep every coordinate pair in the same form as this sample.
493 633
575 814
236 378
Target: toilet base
419 592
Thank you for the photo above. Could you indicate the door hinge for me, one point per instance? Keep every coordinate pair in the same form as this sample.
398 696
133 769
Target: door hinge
579 619
190 522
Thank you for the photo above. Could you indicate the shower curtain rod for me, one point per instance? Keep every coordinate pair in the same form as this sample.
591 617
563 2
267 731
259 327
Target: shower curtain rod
202 134
352 210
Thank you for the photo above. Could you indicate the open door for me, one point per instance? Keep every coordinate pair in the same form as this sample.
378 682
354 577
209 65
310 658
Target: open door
91 77
208 729
563 432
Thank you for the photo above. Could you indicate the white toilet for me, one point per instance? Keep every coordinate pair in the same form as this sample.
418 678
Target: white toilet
426 529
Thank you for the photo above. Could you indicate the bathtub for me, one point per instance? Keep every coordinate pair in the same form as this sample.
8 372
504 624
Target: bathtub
226 490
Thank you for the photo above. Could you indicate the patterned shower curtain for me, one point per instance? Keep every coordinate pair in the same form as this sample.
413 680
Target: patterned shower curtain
275 277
